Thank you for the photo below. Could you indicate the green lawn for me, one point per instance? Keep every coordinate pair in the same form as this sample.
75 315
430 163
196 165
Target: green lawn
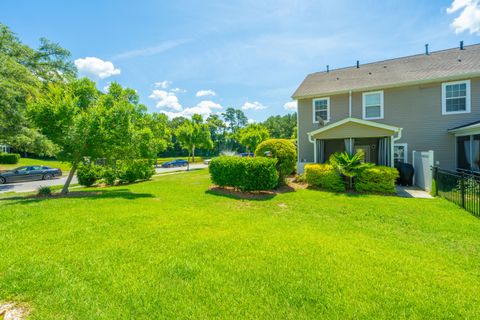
169 249
64 166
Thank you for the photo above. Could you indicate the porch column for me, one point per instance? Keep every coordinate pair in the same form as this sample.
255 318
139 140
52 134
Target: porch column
390 158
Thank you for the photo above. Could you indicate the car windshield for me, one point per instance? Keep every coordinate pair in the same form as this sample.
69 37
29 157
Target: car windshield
21 169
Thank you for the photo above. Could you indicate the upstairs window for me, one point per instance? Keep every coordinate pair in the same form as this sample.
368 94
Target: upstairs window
373 105
321 110
456 97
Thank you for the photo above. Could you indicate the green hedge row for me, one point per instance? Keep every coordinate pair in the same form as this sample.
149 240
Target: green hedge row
9 158
124 171
377 179
245 174
324 176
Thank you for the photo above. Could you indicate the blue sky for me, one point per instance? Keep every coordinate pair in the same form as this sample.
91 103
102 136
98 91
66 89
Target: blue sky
204 56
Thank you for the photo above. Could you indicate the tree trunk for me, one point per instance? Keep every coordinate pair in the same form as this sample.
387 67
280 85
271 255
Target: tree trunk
193 154
69 178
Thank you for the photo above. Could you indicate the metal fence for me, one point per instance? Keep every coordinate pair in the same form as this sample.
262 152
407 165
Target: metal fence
462 188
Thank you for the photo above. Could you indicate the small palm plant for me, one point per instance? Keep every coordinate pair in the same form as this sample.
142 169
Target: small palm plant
349 165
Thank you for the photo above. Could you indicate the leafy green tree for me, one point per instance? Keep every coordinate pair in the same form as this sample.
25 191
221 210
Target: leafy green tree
158 132
235 119
85 123
193 134
31 141
282 127
252 135
217 132
24 74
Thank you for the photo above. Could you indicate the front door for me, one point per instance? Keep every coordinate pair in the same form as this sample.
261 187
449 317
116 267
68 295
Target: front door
366 152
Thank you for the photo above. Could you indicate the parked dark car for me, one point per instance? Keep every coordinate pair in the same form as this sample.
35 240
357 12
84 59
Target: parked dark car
175 163
29 173
247 154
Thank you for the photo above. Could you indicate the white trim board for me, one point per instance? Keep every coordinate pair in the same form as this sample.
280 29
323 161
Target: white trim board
359 121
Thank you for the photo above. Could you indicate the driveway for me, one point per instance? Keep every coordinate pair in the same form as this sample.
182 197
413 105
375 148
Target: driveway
29 186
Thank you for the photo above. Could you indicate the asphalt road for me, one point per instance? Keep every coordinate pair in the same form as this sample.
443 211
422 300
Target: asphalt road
30 186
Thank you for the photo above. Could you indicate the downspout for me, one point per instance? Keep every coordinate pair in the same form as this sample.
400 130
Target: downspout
350 104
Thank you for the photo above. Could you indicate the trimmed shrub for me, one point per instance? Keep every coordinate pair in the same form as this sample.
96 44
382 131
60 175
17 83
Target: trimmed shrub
44 191
245 174
324 176
88 174
109 176
133 170
284 151
377 179
9 158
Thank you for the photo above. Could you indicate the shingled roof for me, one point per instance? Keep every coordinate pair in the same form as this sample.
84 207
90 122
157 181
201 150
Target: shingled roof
438 65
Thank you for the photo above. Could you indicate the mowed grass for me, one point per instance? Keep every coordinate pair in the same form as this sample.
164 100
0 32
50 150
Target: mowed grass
64 166
169 249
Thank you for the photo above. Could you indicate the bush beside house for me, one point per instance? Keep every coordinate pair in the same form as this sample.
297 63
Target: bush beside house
245 174
324 176
378 179
284 151
9 158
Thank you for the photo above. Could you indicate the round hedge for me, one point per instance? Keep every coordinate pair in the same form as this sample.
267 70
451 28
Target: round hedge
281 149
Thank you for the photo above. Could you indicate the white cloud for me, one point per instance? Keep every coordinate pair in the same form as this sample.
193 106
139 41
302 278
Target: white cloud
204 93
203 108
178 90
253 106
291 105
469 17
163 84
166 100
96 68
150 51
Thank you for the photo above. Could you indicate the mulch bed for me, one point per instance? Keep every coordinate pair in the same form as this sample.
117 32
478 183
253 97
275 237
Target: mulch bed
257 195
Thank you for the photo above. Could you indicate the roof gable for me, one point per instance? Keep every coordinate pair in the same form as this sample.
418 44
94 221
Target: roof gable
440 65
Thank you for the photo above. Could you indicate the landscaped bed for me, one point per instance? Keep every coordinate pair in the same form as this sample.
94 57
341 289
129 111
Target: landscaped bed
170 248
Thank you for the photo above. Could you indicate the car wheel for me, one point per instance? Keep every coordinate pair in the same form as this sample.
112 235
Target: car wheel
2 180
47 176
170 166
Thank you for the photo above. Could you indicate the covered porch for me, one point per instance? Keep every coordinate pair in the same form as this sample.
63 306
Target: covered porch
376 140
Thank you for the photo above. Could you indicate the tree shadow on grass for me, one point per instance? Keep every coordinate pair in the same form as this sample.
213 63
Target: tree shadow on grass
84 195
255 196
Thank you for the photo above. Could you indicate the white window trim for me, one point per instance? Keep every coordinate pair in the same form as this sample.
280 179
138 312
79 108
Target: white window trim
444 97
328 109
364 114
405 152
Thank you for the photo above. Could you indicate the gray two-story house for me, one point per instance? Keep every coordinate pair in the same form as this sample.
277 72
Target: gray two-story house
427 104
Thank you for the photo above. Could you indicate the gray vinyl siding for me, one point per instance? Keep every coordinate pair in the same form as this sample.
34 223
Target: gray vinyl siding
416 109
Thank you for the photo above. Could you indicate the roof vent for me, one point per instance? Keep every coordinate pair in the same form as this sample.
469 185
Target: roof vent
461 45
358 64
426 49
